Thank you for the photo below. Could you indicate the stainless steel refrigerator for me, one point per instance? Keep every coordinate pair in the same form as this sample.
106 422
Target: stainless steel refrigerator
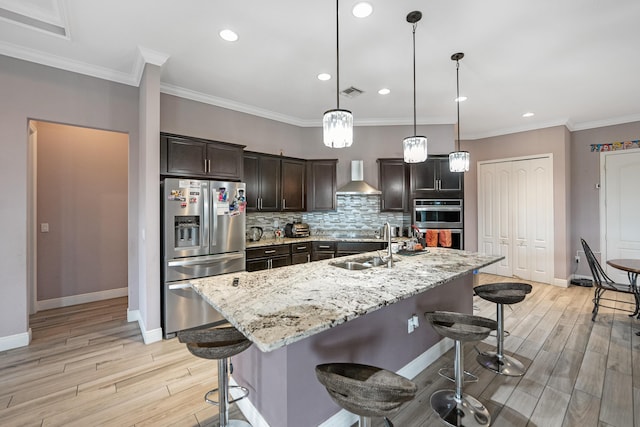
203 234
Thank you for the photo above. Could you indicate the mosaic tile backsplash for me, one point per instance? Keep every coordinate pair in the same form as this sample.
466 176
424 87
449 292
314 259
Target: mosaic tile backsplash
356 216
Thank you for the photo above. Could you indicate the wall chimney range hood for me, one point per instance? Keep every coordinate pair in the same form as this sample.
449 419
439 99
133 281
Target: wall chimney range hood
357 185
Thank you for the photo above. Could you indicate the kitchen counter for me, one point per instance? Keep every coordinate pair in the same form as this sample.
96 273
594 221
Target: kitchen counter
277 307
303 315
287 240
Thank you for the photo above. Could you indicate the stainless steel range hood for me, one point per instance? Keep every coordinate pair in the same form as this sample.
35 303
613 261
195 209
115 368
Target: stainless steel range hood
357 185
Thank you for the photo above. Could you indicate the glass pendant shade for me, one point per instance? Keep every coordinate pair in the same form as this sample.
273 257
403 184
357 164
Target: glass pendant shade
415 149
459 161
337 126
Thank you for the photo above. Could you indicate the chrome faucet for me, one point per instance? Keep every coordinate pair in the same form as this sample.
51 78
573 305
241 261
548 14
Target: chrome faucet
386 234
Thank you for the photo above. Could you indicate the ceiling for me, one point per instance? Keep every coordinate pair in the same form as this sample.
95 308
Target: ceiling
571 62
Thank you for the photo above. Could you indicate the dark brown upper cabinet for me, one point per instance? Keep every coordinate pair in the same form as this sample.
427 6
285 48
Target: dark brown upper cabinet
321 185
293 185
432 178
393 179
196 157
274 183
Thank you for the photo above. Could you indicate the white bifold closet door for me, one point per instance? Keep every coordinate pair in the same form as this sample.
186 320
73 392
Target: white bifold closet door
515 217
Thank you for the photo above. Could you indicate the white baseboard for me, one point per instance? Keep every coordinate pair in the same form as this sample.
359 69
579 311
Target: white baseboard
410 370
148 337
246 407
562 283
81 299
15 341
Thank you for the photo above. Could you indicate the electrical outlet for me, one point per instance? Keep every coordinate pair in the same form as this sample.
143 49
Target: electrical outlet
415 321
410 327
577 259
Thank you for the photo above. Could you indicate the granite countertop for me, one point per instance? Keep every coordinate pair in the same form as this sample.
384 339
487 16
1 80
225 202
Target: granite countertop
287 240
277 307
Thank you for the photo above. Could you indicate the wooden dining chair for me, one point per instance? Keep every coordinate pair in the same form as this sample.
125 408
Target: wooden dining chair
603 283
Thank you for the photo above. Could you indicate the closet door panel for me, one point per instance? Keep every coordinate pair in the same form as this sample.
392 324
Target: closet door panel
503 220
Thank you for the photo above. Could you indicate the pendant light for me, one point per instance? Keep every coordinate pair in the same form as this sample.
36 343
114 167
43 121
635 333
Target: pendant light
337 124
414 147
458 160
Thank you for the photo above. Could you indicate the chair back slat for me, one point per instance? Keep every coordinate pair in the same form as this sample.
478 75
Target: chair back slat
600 278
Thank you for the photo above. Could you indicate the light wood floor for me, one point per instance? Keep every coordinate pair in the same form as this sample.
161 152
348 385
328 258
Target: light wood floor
87 366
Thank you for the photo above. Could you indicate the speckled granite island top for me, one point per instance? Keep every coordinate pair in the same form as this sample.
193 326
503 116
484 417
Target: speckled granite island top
274 308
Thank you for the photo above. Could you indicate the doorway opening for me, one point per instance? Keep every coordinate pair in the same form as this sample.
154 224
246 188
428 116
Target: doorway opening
78 215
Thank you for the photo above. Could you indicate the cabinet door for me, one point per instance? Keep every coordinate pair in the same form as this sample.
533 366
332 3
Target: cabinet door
293 185
280 261
257 265
300 258
393 184
321 185
449 181
423 175
186 157
252 179
269 184
224 161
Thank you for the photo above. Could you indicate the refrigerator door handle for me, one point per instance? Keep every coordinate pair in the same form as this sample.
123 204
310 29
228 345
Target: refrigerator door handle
214 216
204 260
205 215
180 286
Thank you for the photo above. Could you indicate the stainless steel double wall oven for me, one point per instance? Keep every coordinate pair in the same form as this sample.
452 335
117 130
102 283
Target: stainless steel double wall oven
440 214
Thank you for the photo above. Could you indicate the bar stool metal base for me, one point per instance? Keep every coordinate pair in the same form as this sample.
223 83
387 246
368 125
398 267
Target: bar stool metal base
450 374
469 412
503 365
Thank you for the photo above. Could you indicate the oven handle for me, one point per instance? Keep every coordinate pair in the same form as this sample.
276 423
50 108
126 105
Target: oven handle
180 286
204 260
437 209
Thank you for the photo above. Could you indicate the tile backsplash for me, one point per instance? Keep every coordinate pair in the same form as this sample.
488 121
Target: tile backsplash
357 215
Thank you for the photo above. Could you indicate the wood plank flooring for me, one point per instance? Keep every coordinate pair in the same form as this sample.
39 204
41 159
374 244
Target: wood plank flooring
87 366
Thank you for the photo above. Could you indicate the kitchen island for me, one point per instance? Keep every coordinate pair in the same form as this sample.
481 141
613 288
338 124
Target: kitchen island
306 314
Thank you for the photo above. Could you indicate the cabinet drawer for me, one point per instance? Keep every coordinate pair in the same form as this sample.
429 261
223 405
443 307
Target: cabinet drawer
267 251
359 247
300 258
324 246
300 247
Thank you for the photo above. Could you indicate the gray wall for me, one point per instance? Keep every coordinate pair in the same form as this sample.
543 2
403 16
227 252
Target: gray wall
191 118
82 195
554 140
31 91
585 174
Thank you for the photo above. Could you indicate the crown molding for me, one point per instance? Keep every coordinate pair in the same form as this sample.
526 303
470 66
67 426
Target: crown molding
606 122
147 56
31 55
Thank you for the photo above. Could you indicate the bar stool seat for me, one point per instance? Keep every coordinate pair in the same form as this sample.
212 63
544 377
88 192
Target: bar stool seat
501 294
454 407
219 342
364 390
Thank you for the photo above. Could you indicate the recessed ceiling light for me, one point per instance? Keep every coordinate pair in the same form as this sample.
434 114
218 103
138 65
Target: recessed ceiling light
461 99
324 77
362 9
529 114
228 35
384 91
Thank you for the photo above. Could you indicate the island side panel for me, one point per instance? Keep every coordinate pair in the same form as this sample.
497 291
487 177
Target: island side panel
284 388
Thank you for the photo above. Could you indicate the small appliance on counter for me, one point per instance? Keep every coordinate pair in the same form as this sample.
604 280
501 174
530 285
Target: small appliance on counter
297 229
255 234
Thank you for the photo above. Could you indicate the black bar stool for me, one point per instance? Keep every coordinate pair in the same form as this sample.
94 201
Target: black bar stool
502 293
219 343
365 390
454 407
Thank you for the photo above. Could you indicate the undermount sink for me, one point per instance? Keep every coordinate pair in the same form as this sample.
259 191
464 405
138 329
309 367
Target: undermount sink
360 263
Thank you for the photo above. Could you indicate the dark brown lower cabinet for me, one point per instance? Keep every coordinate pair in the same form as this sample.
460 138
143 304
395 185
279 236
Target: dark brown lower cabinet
267 257
300 253
353 248
323 250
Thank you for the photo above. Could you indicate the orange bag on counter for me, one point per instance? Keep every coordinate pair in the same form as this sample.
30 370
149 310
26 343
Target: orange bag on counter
432 238
445 238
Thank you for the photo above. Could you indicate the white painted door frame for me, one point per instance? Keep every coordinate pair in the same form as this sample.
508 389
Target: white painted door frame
609 198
